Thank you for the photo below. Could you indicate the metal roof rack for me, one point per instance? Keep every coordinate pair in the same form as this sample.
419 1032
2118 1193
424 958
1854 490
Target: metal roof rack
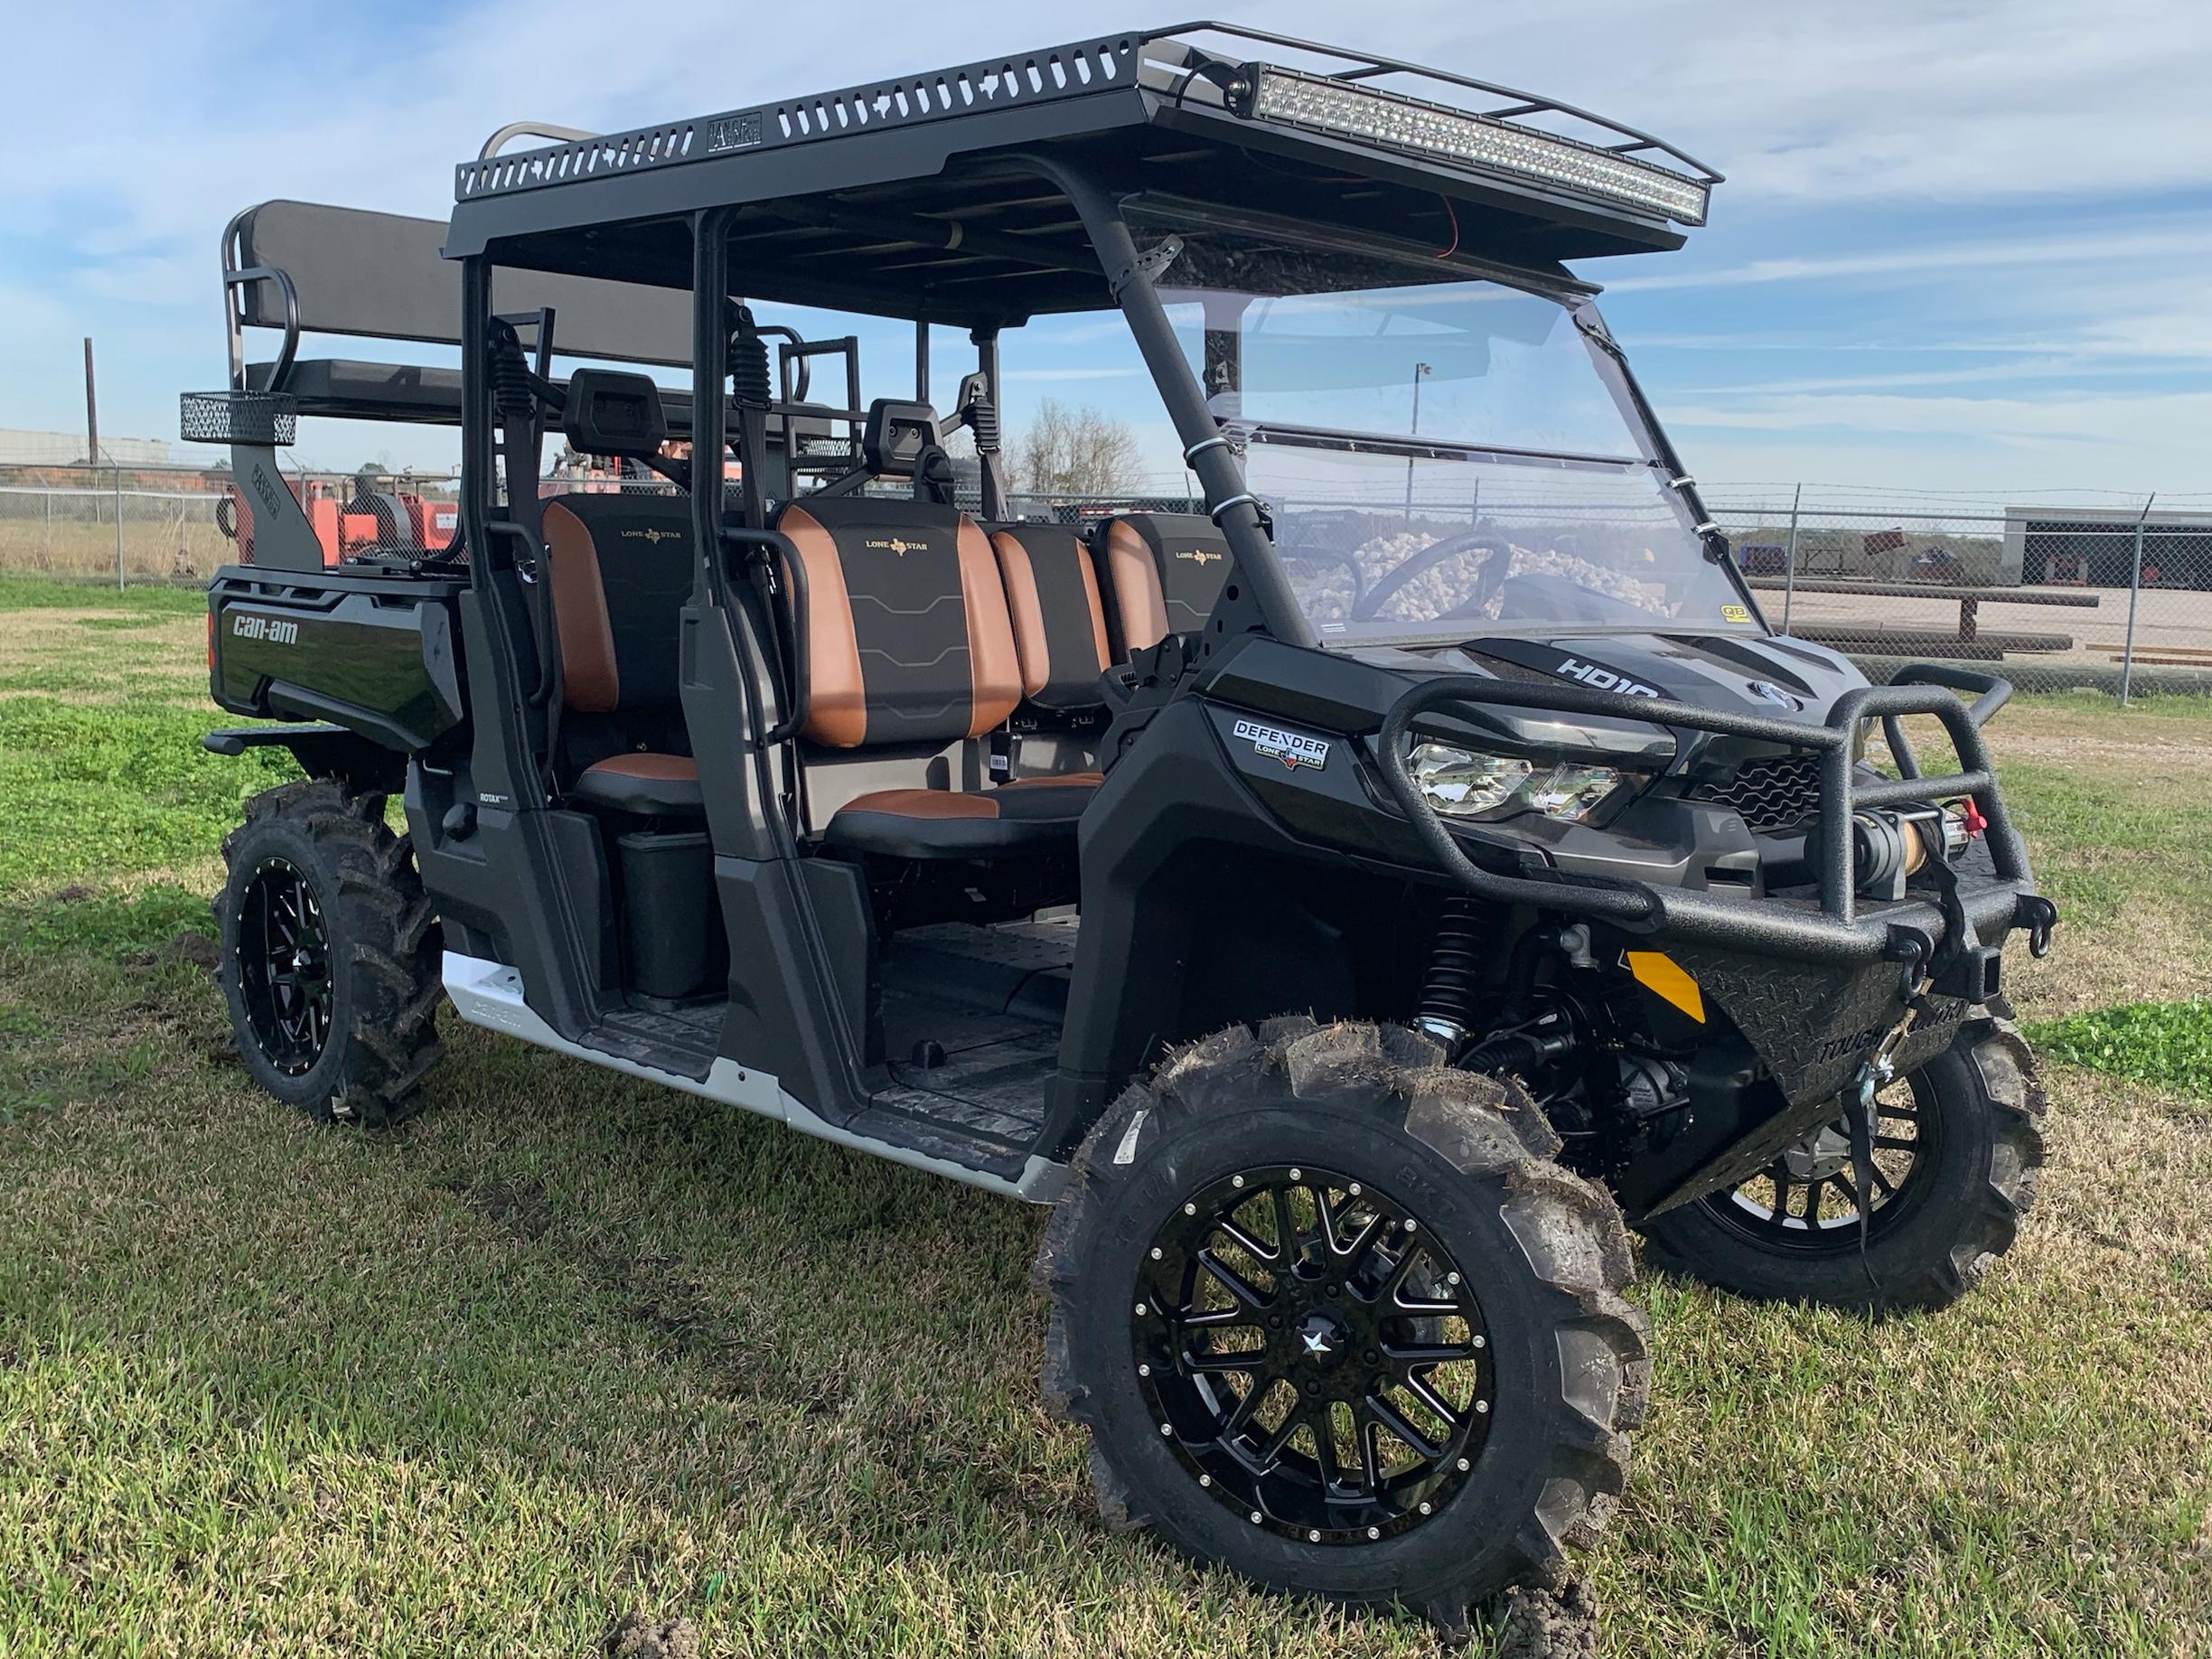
1175 62
995 83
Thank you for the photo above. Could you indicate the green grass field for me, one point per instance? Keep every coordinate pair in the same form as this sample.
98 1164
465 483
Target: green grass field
569 1348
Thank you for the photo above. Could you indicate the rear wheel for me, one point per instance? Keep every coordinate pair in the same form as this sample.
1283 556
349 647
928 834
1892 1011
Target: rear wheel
1957 1148
330 954
1332 1317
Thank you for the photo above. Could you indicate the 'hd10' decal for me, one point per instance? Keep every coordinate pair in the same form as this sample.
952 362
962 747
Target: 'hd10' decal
1603 679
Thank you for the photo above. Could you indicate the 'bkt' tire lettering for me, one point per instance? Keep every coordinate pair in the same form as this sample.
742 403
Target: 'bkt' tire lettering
1603 679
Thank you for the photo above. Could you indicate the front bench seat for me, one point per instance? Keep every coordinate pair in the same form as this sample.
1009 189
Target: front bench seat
1059 620
1165 570
619 569
910 642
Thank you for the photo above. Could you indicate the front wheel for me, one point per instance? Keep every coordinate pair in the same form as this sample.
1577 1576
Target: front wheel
1334 1318
1957 1148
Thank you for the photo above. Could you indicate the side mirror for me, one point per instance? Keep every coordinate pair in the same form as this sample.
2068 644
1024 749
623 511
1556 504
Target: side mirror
613 412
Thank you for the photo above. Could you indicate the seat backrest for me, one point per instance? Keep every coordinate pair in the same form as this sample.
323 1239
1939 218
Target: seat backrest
908 637
620 568
1059 620
1164 571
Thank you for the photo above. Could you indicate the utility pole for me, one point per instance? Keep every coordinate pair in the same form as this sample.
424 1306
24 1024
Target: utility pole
1418 371
2127 655
91 410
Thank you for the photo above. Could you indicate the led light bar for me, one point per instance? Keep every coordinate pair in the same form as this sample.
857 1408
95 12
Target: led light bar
1481 142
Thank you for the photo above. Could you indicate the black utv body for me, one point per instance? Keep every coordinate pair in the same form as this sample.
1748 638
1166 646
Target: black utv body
1347 902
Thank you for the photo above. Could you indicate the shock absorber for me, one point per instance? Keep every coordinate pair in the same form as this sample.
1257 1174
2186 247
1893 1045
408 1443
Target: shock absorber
1446 1010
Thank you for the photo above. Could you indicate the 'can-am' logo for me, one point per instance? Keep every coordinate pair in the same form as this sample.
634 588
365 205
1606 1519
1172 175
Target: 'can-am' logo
1294 749
269 628
1603 679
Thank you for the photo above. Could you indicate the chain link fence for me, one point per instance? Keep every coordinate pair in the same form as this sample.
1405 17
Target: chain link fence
2108 593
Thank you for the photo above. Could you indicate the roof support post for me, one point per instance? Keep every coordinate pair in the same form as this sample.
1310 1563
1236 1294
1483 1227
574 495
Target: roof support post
1220 474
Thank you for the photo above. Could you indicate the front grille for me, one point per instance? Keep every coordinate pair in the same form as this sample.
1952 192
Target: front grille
1775 791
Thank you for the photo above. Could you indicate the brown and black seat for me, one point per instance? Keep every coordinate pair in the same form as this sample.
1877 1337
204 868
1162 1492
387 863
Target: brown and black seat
912 648
620 571
1059 616
1163 573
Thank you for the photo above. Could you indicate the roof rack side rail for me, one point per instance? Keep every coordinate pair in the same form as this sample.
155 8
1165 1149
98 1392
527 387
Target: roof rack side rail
530 129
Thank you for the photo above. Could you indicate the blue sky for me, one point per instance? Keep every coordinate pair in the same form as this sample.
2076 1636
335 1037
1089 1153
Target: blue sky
1962 246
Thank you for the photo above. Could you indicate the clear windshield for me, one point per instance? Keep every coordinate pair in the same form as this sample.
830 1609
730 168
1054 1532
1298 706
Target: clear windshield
1443 459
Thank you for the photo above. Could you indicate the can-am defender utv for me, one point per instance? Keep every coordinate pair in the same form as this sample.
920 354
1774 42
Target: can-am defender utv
1345 903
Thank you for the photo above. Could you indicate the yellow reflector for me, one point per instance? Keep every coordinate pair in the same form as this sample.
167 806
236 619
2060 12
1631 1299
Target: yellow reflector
1660 974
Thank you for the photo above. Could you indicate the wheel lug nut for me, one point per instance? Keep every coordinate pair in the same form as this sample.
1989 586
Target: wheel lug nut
1206 1480
1481 1406
1298 1175
1374 1532
1478 1342
1412 1225
1156 1252
1372 1357
1190 1209
1312 1388
1144 1371
1236 1180
1353 1189
1313 1537
1451 1279
1427 1509
1166 1428
1465 1465
1255 1517
1140 1309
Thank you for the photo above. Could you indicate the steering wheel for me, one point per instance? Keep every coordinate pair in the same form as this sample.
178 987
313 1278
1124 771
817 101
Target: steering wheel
1487 581
1332 556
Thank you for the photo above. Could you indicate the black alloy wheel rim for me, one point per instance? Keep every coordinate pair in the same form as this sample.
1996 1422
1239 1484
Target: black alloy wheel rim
1808 1204
284 967
1312 1354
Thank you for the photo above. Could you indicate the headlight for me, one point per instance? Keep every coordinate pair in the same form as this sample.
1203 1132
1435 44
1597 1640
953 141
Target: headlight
1468 783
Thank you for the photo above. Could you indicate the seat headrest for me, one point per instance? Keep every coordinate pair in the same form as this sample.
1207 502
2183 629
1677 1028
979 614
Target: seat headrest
897 434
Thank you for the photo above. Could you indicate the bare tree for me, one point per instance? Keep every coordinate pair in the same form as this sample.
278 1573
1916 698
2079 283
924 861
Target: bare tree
1071 452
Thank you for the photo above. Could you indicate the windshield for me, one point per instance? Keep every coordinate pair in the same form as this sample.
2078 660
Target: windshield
1440 459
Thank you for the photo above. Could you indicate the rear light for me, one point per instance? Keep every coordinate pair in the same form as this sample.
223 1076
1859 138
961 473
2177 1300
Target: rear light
210 641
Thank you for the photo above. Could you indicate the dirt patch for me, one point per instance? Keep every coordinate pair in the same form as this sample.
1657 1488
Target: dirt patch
1535 1623
636 1636
190 946
74 894
521 1207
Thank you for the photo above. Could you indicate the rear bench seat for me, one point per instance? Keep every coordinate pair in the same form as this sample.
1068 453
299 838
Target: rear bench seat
619 569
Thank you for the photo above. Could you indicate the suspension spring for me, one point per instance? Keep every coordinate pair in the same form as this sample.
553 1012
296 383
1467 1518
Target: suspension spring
1447 1008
